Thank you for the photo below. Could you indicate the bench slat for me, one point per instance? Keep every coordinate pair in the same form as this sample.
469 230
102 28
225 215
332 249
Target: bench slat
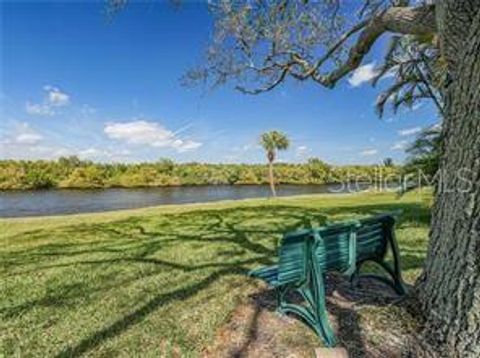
339 247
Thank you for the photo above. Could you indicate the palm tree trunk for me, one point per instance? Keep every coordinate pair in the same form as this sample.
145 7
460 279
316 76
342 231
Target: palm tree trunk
271 178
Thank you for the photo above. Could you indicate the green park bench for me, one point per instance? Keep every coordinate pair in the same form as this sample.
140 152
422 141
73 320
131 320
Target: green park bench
305 256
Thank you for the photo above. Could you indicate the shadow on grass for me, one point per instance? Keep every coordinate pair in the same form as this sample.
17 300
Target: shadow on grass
241 238
344 305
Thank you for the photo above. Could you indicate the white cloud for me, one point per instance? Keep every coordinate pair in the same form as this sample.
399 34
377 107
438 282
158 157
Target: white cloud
417 106
363 74
53 98
105 154
390 73
38 109
148 133
20 141
400 145
28 138
409 131
302 151
89 152
24 134
24 142
368 152
185 146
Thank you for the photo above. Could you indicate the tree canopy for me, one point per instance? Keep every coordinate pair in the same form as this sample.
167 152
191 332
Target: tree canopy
272 142
260 44
75 173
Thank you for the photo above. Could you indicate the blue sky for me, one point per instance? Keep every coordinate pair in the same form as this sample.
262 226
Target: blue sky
74 83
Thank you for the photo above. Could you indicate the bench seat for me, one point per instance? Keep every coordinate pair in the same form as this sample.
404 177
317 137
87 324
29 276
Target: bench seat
269 274
304 257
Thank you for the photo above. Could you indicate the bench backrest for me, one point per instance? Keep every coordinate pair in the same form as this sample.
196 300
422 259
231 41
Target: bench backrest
293 256
333 247
373 235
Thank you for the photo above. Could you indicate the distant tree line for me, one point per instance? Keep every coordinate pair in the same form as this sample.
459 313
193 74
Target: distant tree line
71 172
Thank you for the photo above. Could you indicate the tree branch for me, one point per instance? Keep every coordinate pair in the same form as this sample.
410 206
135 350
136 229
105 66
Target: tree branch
427 83
393 91
268 87
310 70
404 20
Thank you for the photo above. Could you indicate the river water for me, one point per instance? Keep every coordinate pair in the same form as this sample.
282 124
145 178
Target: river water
69 201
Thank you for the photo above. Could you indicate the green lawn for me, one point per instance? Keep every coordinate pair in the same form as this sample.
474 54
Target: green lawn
154 281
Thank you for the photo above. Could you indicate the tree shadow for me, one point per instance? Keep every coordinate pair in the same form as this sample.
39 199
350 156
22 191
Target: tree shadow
241 238
139 314
344 305
251 334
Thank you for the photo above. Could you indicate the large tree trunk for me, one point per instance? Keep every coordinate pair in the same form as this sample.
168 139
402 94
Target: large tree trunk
449 288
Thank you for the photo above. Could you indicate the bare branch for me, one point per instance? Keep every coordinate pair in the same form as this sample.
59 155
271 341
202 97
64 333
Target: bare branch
270 86
263 43
404 20
310 70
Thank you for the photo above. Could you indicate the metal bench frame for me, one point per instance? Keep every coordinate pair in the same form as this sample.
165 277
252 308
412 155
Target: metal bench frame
310 280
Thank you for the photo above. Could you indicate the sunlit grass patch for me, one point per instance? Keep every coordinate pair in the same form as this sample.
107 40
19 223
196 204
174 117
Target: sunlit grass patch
158 281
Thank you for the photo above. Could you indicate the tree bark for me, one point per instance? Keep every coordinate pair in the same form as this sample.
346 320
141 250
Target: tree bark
449 289
271 178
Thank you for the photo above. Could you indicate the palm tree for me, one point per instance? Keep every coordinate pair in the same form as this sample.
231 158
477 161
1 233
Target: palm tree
272 142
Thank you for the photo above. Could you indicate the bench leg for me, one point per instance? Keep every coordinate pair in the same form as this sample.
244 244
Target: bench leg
281 291
394 272
353 278
397 270
395 280
320 308
314 311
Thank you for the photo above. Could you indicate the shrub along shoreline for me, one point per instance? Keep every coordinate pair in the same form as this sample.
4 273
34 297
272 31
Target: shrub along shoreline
71 172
